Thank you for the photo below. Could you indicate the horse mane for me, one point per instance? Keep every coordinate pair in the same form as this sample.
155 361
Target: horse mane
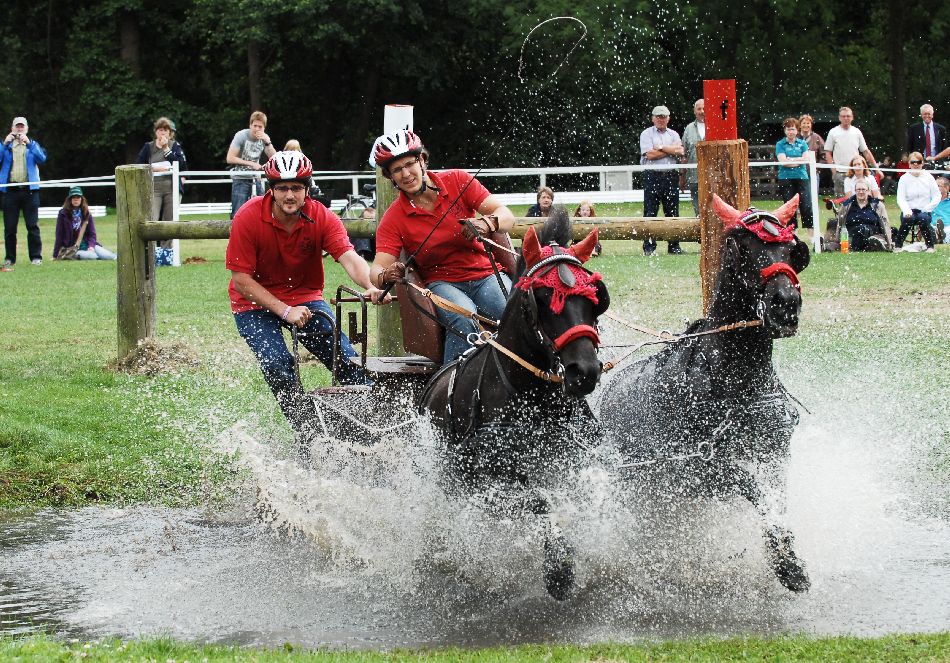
557 228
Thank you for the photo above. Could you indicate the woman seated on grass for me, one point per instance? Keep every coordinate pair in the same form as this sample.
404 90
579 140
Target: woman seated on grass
858 170
76 231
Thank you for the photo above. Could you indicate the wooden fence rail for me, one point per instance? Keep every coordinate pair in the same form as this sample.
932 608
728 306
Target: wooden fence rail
137 232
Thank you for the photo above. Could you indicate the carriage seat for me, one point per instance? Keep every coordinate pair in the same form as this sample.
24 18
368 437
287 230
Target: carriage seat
422 335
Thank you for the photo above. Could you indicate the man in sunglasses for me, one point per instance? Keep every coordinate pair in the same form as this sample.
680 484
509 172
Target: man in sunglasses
275 255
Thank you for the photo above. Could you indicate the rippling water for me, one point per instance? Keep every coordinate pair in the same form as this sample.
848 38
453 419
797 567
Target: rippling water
368 552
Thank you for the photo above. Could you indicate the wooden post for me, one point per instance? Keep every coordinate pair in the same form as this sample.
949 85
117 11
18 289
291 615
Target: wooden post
723 168
135 269
388 320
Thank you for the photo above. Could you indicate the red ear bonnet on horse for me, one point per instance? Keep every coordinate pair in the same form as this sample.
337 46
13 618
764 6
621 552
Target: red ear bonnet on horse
531 248
583 249
767 226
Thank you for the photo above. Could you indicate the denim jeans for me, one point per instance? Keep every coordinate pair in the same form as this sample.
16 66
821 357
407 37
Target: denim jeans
16 199
481 295
787 189
99 252
242 189
660 186
262 332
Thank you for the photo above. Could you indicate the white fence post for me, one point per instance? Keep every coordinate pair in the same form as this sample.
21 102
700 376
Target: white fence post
176 212
813 186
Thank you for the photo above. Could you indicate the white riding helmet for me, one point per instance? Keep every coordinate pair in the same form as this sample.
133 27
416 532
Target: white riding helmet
288 166
389 147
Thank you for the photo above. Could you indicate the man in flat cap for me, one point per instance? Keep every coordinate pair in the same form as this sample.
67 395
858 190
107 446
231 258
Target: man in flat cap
659 147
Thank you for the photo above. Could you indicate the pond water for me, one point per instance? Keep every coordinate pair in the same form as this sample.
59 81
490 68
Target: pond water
369 553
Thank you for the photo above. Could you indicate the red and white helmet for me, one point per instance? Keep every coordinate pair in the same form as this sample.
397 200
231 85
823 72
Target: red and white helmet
394 145
288 166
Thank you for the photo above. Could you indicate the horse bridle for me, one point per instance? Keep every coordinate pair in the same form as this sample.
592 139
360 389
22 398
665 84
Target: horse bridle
561 260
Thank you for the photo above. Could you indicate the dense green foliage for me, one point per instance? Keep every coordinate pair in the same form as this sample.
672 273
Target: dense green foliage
894 648
91 77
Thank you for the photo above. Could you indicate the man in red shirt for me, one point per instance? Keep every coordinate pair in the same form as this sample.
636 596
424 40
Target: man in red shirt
452 262
275 255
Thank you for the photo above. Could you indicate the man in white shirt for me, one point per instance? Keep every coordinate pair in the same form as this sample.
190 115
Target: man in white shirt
660 146
844 142
694 132
927 137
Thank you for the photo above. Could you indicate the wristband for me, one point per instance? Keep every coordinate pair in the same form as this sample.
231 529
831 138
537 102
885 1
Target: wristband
285 313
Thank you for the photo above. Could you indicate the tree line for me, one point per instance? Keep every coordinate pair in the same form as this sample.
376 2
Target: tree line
91 77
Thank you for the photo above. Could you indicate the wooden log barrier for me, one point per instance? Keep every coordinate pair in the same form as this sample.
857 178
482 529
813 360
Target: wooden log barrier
679 228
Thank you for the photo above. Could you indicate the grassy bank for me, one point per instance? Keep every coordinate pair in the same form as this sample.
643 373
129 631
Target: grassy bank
893 649
75 431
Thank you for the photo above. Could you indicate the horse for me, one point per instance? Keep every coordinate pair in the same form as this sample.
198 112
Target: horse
511 409
714 395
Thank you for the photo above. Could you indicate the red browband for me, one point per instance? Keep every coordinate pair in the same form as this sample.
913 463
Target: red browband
781 268
575 333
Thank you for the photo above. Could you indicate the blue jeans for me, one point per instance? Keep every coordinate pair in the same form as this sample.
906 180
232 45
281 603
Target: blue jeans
788 188
262 331
482 295
22 198
242 189
660 186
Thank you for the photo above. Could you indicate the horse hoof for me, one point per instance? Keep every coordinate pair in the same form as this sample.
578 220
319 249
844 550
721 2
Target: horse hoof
789 570
558 570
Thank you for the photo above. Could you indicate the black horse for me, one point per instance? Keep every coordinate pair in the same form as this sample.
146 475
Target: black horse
511 412
716 397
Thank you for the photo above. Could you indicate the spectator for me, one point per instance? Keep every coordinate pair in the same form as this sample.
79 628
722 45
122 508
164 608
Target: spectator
695 131
844 142
888 183
160 153
451 263
585 210
858 170
277 280
660 146
815 142
292 145
76 231
545 199
902 166
941 213
917 196
19 162
244 155
865 217
793 173
926 136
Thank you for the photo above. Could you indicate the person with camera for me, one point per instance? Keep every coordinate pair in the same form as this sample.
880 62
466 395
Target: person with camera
19 164
275 255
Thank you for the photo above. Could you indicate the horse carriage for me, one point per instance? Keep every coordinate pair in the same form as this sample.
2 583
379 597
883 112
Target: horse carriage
512 413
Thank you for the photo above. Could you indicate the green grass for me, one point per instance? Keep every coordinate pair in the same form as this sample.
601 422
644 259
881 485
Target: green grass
892 649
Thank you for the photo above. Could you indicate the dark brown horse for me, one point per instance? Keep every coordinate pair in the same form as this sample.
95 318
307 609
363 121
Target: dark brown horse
511 413
718 394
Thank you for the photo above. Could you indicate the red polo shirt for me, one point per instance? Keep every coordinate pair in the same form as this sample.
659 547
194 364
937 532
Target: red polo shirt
448 255
288 264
